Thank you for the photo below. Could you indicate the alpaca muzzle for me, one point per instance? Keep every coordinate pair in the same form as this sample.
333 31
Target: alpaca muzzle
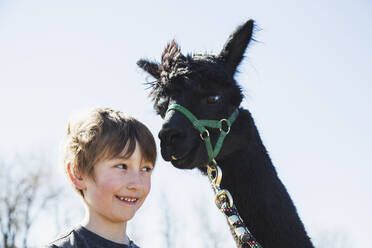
223 125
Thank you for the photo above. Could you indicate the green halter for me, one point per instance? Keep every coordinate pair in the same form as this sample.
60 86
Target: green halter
223 124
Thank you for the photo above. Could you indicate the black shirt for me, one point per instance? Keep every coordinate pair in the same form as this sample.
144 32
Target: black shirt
81 237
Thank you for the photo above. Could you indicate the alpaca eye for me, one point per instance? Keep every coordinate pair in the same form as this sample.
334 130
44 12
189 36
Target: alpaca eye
213 99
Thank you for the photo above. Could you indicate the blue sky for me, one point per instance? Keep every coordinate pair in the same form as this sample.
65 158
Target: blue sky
307 83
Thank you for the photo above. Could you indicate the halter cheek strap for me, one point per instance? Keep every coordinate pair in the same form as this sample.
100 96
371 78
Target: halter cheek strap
223 125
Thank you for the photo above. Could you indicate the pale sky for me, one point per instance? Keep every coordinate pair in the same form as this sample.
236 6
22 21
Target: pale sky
307 84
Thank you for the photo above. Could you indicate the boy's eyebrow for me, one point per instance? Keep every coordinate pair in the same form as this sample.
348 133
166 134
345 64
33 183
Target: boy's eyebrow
119 158
130 158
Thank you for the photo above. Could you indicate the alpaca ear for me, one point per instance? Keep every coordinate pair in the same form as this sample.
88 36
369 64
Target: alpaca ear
233 51
171 56
152 68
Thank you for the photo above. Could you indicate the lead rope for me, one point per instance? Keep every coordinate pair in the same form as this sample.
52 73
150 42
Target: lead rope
223 198
225 204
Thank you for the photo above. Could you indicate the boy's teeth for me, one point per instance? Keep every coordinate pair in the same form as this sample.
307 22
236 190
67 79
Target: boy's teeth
128 199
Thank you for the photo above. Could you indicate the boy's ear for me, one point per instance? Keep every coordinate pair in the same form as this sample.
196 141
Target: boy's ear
75 177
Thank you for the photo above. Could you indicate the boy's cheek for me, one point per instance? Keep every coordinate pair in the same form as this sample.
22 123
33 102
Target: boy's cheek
108 185
148 186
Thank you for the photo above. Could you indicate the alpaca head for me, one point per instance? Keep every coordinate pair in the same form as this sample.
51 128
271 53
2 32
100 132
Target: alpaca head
205 85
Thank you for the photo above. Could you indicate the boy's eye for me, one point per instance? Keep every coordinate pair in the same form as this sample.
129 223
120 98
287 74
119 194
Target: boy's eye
147 169
121 166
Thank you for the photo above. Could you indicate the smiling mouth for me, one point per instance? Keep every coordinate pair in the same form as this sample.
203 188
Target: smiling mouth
128 200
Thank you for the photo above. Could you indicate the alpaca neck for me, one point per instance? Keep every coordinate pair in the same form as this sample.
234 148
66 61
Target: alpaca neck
260 197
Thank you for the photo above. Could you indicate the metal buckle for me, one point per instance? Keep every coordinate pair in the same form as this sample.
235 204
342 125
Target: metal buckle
222 195
214 174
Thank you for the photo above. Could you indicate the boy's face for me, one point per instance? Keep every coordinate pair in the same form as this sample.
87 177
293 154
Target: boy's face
119 188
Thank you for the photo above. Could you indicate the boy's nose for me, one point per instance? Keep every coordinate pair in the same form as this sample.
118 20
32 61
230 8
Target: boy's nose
135 181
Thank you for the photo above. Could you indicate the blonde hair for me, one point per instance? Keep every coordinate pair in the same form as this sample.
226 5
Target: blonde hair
103 133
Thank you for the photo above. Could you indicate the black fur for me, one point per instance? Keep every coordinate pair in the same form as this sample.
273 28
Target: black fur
248 173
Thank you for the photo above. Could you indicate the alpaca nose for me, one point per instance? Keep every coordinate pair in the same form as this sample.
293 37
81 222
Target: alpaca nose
169 135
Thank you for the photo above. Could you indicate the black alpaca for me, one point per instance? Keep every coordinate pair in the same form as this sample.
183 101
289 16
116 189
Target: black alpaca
205 85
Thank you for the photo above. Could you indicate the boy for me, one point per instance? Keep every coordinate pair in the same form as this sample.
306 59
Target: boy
108 158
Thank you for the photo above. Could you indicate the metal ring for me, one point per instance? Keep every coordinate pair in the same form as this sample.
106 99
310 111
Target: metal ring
227 124
226 194
206 132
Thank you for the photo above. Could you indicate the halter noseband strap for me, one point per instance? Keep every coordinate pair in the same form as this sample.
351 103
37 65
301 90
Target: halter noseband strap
223 125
